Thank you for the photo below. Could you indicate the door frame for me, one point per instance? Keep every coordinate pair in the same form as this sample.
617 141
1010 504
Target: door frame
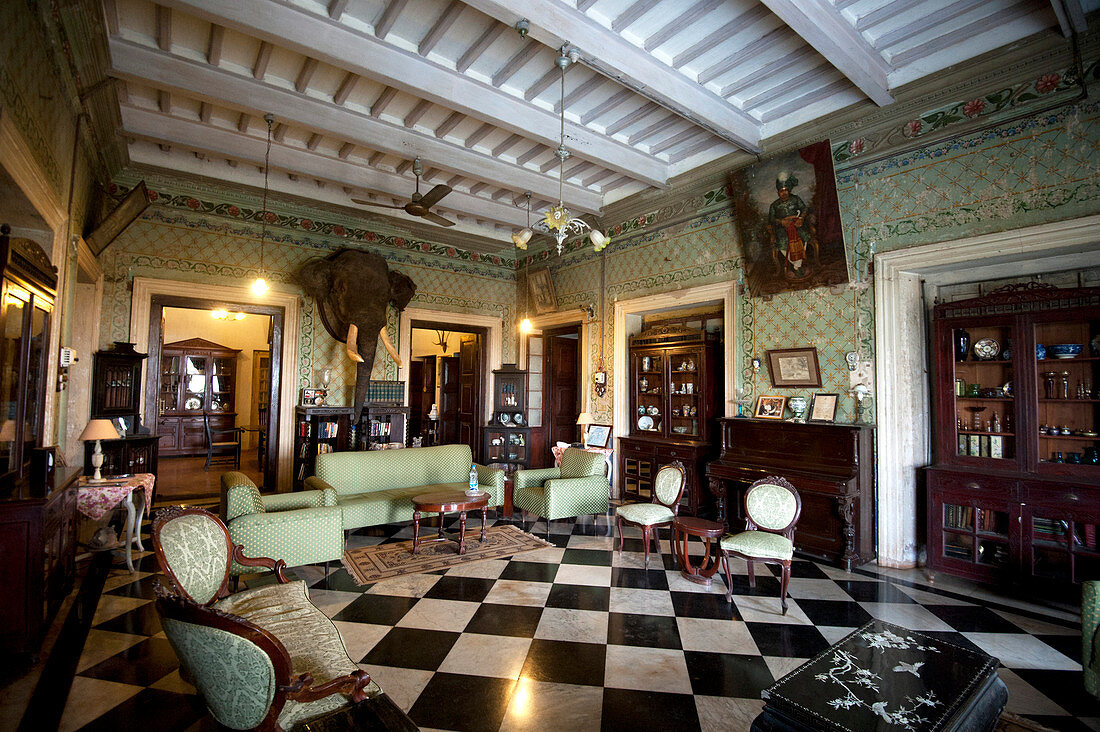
492 350
273 303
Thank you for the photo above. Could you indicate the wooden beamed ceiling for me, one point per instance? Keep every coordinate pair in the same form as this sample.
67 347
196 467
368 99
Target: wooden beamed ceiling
659 88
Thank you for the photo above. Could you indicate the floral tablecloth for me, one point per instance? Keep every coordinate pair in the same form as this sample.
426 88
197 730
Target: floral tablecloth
94 500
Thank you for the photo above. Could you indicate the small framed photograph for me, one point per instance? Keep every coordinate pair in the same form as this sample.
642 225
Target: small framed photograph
543 296
770 407
794 367
823 407
599 435
309 397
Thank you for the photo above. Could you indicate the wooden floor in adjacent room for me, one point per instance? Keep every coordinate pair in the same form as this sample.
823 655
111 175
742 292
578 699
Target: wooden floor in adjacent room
184 477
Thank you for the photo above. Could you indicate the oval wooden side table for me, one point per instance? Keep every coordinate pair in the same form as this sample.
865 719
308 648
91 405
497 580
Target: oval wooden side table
443 502
684 527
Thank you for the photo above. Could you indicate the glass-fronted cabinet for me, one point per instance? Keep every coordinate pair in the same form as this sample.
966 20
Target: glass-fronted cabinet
506 440
1014 492
197 384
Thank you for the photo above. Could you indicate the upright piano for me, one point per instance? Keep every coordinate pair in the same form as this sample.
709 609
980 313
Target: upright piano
831 465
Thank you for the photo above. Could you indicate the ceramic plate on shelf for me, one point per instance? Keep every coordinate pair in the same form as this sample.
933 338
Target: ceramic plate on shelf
517 419
987 349
506 419
192 403
645 423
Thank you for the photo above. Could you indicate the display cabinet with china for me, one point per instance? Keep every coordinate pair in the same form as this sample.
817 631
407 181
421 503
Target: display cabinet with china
197 381
1014 492
674 377
506 440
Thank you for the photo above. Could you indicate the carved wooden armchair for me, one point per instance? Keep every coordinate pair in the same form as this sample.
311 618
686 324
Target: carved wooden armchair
263 658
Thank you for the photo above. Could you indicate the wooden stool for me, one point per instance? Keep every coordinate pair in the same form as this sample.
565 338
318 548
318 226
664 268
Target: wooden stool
686 526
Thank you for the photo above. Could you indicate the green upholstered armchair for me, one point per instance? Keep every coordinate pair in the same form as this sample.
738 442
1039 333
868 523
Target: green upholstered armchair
304 527
1090 636
264 658
578 487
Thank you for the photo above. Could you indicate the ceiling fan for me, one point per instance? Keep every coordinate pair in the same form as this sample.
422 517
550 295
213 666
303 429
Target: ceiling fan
419 205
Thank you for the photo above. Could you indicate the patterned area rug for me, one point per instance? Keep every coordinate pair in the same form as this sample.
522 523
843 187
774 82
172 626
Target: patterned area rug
372 563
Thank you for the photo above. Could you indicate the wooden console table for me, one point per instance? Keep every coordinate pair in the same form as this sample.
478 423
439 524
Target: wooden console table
831 465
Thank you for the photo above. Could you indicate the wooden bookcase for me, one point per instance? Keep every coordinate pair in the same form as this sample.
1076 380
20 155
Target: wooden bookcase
319 430
674 377
1014 492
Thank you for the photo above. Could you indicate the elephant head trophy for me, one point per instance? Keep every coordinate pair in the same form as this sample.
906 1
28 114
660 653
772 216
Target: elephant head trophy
353 289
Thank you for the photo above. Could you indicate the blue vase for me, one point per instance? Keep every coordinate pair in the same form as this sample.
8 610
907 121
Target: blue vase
1040 351
962 344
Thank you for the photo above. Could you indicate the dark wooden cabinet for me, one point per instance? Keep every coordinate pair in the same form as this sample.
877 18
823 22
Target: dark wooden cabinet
674 378
116 385
197 377
130 454
319 430
506 440
37 543
1014 492
831 465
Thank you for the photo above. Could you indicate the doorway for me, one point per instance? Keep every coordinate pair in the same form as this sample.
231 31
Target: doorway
561 369
446 368
212 365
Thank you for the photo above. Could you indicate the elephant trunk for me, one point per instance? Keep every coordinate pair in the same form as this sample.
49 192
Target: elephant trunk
362 369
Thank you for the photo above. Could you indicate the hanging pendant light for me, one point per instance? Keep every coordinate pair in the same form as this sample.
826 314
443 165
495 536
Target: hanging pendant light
521 237
525 324
260 286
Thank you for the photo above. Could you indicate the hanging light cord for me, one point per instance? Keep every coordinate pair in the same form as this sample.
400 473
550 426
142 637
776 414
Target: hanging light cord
269 118
562 153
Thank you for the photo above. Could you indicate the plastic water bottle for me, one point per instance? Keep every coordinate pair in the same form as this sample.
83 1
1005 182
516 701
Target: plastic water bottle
473 479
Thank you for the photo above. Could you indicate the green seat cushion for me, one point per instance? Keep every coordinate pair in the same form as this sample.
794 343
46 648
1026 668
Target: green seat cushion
759 544
645 514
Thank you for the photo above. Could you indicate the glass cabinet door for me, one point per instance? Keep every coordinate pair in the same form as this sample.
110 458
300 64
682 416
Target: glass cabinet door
15 308
650 398
221 385
194 383
985 416
36 366
684 393
1068 395
170 383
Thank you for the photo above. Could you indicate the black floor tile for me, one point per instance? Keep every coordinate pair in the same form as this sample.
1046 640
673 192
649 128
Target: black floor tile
530 571
650 631
466 589
790 641
835 612
411 648
171 711
973 619
340 580
591 529
139 621
142 664
703 605
579 597
648 710
803 568
727 674
653 579
1069 645
463 703
766 585
565 662
590 557
513 620
376 609
867 591
1064 688
143 588
1062 724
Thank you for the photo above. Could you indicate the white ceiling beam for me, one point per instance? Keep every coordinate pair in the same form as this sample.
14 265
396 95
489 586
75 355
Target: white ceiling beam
750 50
960 34
442 25
158 128
823 27
619 59
345 88
383 101
214 44
164 101
712 39
511 67
164 28
243 122
478 135
417 112
768 70
448 124
634 11
677 139
543 83
305 75
659 126
679 23
317 36
263 58
582 90
883 13
625 121
205 110
146 65
473 53
388 17
345 150
509 143
883 41
336 8
606 105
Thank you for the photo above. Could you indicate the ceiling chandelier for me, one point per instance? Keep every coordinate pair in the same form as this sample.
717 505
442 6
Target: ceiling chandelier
260 286
558 221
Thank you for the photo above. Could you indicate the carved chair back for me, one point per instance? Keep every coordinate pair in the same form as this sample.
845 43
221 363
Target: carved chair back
668 486
193 550
773 505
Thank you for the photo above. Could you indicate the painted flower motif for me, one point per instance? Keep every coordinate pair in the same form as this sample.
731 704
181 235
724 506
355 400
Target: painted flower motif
913 127
450 252
557 217
233 211
475 256
370 236
339 230
1047 83
269 217
974 107
641 221
856 146
153 195
307 224
399 242
192 203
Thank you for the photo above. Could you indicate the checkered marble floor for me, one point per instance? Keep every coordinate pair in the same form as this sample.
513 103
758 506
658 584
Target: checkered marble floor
579 637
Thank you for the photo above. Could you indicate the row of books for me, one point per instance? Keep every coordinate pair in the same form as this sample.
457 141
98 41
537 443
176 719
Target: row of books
322 448
962 517
325 430
1055 530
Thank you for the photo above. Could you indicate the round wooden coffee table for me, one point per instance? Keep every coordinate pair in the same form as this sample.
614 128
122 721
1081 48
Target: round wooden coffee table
686 526
448 501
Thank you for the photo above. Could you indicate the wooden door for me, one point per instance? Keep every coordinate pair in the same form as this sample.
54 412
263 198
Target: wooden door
261 395
469 395
562 381
448 400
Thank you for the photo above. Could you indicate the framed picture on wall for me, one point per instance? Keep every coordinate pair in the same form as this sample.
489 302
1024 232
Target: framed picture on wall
770 407
823 407
794 367
543 296
599 435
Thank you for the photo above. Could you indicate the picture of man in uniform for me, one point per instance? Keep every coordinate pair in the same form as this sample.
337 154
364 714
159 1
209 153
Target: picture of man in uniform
791 234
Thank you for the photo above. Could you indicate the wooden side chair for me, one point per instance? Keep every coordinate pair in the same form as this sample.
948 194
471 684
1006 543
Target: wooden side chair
772 508
668 489
222 445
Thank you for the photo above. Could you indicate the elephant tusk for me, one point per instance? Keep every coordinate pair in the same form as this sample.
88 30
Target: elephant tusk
353 334
385 336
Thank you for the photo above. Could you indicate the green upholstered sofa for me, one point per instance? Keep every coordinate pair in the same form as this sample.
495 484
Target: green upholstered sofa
300 528
377 486
1090 636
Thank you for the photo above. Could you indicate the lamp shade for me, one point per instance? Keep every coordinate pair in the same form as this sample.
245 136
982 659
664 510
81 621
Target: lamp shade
99 429
584 418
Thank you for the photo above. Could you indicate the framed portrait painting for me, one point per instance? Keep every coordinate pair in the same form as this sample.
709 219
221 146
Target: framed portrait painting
543 296
794 367
823 407
770 407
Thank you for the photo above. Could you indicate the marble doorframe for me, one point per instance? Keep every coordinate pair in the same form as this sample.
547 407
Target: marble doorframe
901 352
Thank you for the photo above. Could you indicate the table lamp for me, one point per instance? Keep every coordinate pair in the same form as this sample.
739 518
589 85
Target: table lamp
98 429
584 419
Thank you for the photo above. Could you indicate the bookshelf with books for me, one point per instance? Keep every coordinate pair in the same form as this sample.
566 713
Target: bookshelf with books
319 430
